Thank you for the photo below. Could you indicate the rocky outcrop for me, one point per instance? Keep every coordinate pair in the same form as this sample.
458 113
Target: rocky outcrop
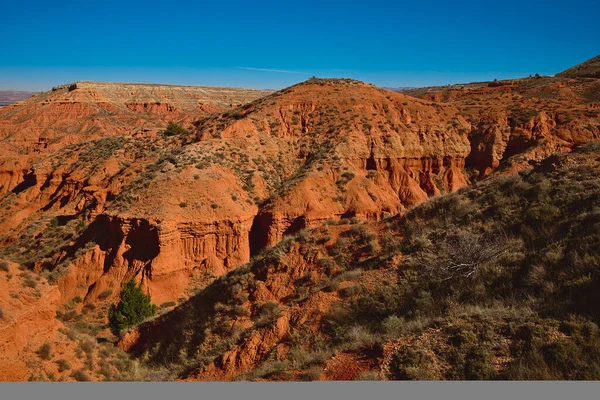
535 136
93 194
313 152
165 256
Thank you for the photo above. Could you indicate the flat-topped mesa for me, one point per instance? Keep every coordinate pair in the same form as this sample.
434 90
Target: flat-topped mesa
82 111
180 96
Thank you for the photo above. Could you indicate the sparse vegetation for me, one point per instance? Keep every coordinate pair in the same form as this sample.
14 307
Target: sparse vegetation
488 265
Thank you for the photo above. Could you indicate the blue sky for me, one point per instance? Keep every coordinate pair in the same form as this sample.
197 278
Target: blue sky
272 44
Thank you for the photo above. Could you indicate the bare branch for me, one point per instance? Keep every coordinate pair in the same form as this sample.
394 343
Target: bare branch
461 256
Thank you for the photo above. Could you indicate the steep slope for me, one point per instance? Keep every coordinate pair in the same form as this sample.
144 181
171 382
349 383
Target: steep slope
495 281
587 69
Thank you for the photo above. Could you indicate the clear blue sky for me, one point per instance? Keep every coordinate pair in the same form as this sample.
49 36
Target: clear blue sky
272 44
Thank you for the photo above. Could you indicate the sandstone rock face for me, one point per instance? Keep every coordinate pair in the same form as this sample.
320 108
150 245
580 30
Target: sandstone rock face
264 283
391 152
524 120
166 257
271 319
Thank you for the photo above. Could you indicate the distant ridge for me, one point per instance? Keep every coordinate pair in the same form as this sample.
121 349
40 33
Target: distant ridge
587 69
12 96
401 88
80 84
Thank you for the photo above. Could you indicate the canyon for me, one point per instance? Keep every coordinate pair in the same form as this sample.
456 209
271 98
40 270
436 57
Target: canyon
95 190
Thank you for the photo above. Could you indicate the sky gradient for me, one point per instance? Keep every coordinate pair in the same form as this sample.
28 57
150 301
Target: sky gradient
273 44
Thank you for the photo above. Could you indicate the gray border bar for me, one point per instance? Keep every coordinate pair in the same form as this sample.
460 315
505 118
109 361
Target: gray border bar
308 390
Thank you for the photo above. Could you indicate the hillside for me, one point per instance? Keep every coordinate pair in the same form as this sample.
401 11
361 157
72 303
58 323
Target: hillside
495 281
587 69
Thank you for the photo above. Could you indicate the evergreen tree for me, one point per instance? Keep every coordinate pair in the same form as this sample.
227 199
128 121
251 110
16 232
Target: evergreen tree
133 308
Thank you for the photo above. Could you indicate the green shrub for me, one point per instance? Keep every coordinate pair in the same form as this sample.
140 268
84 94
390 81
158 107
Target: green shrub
312 374
168 304
174 129
80 376
63 365
574 357
412 363
45 351
105 294
4 266
269 311
133 308
87 346
478 365
29 282
352 290
368 376
105 369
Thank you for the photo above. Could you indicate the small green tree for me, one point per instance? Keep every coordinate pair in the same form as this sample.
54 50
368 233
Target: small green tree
174 129
133 308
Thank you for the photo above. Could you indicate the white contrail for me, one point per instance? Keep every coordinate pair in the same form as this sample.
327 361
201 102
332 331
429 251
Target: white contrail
274 70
